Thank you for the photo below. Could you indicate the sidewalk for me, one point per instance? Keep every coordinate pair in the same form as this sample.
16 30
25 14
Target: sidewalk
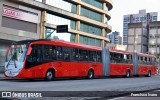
1 75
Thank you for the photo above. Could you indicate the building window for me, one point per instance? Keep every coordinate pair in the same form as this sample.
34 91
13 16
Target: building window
62 4
95 3
89 41
39 0
155 18
90 29
56 20
51 34
107 8
106 20
91 14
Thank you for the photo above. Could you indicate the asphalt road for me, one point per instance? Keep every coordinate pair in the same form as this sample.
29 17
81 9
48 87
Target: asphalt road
150 95
99 84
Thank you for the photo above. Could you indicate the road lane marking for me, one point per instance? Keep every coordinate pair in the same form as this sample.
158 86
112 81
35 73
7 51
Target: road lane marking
117 98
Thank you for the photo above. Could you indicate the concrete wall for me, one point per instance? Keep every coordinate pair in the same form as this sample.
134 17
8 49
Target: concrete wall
14 34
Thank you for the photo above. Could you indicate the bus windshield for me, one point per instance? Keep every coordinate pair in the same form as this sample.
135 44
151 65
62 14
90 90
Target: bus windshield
17 53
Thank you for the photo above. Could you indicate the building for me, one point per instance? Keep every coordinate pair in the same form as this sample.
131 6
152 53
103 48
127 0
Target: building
154 38
137 37
142 16
33 19
117 47
115 38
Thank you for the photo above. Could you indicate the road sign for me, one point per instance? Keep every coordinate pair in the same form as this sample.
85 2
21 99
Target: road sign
62 28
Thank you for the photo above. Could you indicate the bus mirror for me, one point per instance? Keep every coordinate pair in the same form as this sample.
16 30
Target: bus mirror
29 51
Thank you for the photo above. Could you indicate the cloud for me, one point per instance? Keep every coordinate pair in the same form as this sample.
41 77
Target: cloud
152 1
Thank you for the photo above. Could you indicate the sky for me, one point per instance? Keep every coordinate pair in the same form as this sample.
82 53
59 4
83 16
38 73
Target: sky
125 7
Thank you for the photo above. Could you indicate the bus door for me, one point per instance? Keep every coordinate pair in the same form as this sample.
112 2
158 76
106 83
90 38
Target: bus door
34 61
75 64
83 65
62 62
142 65
66 64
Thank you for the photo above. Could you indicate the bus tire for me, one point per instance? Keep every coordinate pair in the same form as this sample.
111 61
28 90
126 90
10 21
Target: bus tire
149 74
90 74
128 74
49 75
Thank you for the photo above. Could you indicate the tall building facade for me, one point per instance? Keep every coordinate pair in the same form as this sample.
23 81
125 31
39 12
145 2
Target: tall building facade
154 38
115 38
142 16
33 19
144 38
137 37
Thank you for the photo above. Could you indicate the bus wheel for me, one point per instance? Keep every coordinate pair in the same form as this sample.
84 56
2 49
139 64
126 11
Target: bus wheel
149 74
90 74
49 75
127 74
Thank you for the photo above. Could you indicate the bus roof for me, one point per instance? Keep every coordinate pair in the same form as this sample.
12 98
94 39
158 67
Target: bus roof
146 55
75 45
120 51
61 43
128 52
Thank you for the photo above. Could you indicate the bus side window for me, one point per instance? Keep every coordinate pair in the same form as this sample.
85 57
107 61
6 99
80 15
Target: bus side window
130 60
111 57
154 61
125 58
116 57
149 61
95 56
99 56
121 58
83 55
92 56
66 53
146 60
131 57
49 52
139 59
59 53
142 60
75 55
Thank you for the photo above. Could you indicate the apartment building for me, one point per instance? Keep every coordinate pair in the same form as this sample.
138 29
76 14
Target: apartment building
142 16
137 37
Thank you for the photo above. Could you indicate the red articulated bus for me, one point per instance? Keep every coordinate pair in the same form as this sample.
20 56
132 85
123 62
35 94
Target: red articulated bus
49 59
